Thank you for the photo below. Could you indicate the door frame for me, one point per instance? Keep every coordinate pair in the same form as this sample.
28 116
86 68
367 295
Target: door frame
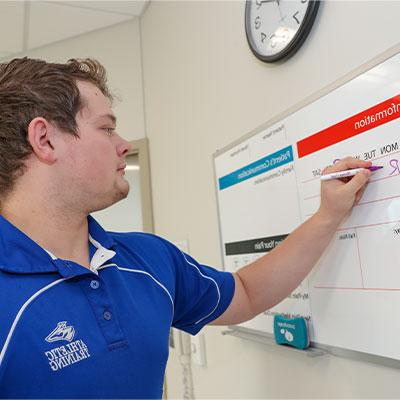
140 148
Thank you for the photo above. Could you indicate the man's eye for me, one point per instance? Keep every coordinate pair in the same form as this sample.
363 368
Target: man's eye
110 131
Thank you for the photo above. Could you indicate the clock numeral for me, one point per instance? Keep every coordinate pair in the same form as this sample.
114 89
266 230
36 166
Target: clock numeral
263 37
303 1
295 18
257 22
258 4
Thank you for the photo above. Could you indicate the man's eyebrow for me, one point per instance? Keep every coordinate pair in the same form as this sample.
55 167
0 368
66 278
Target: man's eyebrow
112 117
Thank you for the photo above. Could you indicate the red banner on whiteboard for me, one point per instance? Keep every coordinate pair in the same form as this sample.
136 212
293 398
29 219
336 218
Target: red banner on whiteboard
365 120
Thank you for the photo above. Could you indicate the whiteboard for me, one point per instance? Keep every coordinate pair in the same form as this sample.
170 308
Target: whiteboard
268 183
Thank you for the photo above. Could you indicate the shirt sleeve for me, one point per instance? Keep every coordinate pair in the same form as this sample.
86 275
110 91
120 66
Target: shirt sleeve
202 293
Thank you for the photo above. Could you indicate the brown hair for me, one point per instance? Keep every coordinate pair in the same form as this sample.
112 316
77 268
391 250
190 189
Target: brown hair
32 88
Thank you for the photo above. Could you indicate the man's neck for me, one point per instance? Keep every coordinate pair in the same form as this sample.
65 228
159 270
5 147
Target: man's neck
65 236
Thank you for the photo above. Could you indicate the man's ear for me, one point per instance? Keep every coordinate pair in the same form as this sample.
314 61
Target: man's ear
41 136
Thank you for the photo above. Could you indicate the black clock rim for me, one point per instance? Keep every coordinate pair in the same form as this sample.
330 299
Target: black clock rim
297 40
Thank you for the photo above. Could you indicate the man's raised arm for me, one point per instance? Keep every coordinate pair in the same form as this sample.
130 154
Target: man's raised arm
267 281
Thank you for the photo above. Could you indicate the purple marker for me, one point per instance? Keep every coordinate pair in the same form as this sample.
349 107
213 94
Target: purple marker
348 172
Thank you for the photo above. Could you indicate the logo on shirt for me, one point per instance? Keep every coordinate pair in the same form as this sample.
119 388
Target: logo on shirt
68 354
62 332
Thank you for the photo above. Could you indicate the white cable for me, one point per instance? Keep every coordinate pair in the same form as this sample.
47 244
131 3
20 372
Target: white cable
185 361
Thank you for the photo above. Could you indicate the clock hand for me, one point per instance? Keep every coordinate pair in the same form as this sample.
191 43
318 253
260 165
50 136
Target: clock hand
280 13
259 3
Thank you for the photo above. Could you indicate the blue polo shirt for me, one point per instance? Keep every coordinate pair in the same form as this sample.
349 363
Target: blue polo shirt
70 332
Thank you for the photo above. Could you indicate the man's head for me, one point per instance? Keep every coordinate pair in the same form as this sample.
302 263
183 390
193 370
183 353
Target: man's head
53 119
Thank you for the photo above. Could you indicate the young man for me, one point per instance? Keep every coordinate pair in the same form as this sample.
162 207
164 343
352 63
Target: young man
86 313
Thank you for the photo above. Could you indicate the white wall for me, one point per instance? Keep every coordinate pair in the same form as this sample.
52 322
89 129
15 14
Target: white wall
205 89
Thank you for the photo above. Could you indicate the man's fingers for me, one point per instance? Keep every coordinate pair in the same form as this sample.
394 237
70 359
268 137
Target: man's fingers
358 181
360 194
346 163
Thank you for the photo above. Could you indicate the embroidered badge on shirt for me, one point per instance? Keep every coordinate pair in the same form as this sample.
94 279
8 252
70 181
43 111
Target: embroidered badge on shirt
62 332
71 353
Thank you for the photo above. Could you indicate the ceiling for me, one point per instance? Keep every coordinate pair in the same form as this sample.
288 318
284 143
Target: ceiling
25 25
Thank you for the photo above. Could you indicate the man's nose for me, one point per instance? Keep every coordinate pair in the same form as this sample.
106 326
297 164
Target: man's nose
123 148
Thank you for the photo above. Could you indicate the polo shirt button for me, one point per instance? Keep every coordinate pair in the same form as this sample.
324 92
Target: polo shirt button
94 284
107 315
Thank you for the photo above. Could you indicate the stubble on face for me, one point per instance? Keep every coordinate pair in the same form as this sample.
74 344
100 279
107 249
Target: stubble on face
96 183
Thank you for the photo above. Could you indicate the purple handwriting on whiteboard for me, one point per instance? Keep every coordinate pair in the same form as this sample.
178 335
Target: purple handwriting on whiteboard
394 163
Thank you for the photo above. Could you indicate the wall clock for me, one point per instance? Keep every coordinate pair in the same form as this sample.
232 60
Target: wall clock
275 29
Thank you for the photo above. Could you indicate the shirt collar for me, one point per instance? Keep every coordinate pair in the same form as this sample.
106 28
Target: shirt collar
20 254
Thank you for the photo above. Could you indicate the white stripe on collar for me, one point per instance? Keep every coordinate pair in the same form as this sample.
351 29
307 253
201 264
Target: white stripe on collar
101 255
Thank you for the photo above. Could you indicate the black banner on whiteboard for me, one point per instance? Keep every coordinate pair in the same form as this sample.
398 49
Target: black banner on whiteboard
261 245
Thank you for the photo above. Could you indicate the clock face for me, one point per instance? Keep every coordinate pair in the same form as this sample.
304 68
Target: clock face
276 28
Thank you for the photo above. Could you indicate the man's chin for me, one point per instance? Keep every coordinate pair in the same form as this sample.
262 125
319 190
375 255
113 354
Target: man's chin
120 193
124 190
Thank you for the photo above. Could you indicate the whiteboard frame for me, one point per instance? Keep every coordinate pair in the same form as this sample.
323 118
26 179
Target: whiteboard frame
259 336
315 349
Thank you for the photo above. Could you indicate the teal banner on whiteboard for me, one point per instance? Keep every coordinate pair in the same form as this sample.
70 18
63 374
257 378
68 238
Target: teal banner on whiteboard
265 164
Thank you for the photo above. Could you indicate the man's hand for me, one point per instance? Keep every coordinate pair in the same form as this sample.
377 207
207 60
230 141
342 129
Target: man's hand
267 281
338 196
